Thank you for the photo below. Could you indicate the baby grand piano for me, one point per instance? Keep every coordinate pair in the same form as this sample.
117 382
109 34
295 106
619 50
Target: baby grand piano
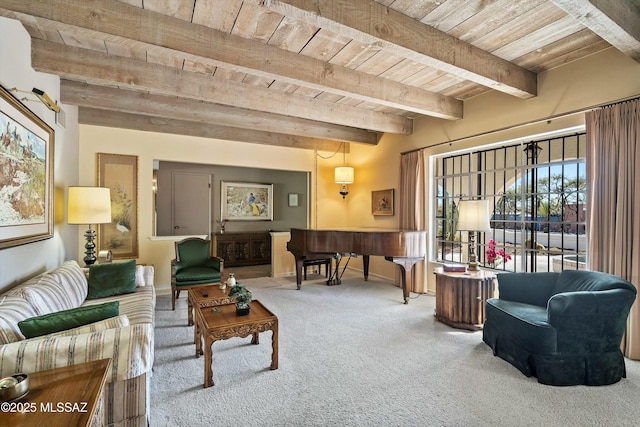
404 248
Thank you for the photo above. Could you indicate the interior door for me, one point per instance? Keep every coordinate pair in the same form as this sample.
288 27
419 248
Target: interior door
191 203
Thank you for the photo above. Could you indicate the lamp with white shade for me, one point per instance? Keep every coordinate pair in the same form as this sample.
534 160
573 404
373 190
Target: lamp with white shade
89 205
473 216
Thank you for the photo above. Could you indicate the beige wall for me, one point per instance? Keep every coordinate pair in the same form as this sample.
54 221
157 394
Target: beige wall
601 78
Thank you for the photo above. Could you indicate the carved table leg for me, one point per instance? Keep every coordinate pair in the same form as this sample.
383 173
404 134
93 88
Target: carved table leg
208 362
189 312
255 339
274 346
197 332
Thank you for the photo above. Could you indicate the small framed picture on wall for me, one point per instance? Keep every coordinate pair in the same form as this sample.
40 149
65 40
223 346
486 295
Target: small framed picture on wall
382 202
293 199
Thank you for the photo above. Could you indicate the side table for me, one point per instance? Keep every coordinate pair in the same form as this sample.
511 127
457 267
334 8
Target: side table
461 297
66 396
222 322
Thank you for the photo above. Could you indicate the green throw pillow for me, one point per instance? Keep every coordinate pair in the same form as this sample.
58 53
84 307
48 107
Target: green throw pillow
68 319
112 278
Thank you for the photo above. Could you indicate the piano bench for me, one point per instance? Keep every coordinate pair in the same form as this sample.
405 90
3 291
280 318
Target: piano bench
324 261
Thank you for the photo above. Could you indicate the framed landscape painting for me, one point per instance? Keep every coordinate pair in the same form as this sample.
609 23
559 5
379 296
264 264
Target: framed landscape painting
382 202
26 174
244 201
120 173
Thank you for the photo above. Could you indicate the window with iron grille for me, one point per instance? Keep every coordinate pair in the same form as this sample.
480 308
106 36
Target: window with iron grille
537 195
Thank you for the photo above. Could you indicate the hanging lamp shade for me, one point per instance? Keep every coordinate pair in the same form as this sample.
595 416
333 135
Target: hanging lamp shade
344 175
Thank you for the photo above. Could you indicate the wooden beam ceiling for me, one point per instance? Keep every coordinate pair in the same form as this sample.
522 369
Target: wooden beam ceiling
117 119
114 99
618 22
374 23
196 42
95 67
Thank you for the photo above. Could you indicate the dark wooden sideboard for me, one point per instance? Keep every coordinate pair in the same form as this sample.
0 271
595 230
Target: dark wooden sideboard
238 249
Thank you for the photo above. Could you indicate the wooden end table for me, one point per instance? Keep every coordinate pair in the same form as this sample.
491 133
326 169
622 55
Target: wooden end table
207 296
222 322
461 298
66 396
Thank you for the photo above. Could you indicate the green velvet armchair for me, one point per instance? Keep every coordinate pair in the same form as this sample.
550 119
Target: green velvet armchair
563 328
194 265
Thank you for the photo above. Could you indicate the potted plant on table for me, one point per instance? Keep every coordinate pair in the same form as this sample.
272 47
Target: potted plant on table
242 297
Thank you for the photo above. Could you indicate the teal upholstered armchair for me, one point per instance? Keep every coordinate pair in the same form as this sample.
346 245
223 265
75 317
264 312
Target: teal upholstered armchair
564 328
193 265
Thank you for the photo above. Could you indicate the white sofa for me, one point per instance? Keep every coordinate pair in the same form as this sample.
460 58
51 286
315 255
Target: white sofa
126 339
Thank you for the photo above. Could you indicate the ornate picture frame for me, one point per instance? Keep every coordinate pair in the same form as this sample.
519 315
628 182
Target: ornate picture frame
382 202
246 201
26 174
119 172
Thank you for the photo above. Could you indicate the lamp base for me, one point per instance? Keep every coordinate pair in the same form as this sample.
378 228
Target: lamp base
473 267
473 260
90 247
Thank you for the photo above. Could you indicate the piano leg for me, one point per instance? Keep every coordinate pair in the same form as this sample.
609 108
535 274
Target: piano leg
405 264
299 263
365 266
406 283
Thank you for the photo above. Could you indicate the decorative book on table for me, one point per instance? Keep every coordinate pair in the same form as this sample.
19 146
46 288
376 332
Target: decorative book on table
454 268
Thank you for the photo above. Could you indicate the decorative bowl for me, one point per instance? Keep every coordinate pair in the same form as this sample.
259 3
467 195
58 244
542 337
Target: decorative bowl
13 387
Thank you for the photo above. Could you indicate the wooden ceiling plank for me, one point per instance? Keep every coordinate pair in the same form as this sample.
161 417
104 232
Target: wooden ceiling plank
97 117
373 23
292 35
569 49
181 9
83 64
217 14
493 16
84 95
618 22
536 18
165 32
537 39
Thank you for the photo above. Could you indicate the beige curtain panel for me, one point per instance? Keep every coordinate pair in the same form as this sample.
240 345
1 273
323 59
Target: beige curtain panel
412 207
613 216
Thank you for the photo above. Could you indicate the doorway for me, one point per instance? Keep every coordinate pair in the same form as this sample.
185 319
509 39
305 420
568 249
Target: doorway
191 203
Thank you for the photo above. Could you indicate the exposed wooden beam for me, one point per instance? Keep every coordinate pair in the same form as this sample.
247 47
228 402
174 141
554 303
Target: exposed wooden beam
134 102
618 22
236 53
374 23
91 116
82 64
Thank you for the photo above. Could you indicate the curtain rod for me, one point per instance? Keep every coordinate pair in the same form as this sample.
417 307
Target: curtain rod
533 122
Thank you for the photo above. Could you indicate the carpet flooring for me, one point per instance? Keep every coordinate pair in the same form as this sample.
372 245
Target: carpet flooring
354 355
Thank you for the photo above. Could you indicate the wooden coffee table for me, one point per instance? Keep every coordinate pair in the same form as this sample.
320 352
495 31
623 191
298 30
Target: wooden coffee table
222 322
207 296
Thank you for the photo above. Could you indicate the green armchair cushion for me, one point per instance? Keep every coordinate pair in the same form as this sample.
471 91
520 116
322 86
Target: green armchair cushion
113 278
197 275
68 319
